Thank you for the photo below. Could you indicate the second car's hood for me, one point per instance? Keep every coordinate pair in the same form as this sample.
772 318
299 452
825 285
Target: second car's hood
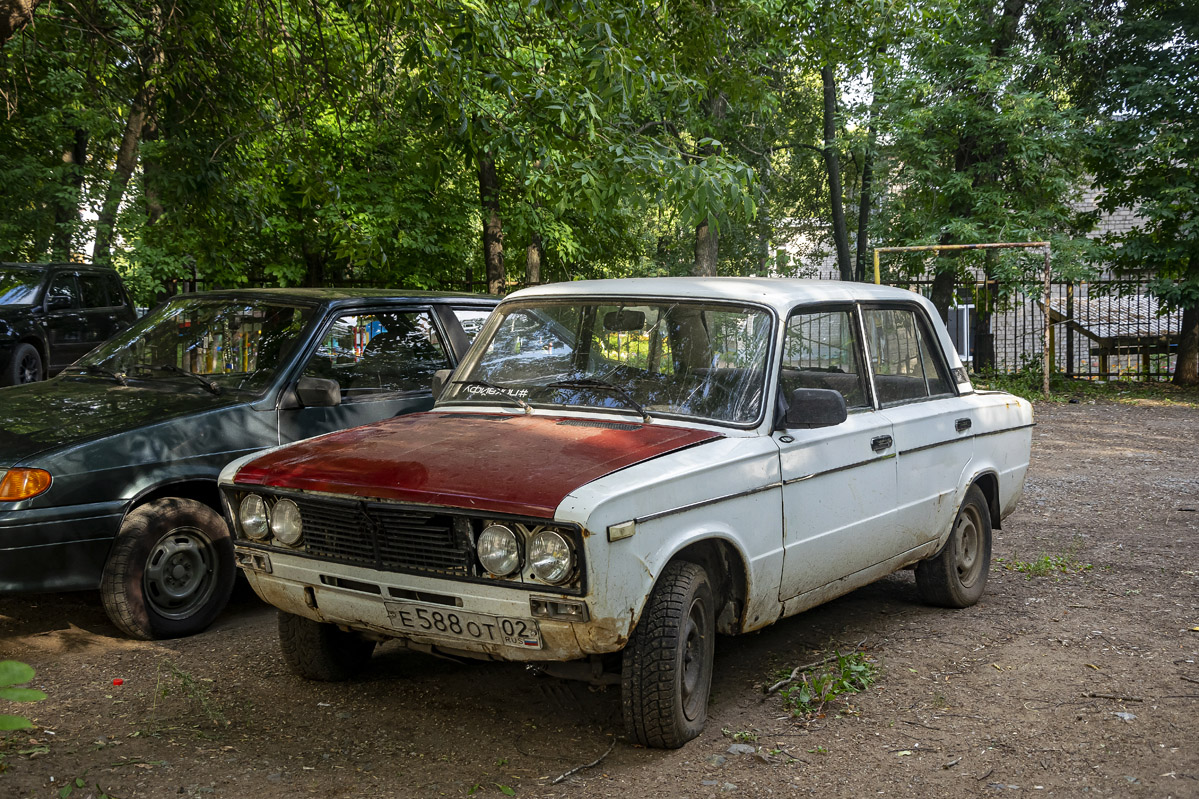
42 416
524 465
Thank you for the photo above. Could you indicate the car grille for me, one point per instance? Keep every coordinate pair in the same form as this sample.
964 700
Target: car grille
382 536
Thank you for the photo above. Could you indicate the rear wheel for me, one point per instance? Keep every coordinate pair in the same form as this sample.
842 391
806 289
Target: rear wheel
318 651
666 673
24 367
171 570
956 576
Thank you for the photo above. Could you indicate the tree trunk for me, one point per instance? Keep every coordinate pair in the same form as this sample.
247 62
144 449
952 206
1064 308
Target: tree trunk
707 250
151 175
832 165
1186 370
14 15
66 210
863 243
984 309
534 254
493 228
944 285
126 162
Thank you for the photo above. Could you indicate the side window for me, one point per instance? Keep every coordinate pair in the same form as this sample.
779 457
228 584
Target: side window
95 293
370 354
115 294
905 367
62 293
472 320
821 351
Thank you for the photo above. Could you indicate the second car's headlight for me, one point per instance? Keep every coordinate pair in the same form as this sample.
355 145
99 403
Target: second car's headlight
498 550
550 557
285 522
252 514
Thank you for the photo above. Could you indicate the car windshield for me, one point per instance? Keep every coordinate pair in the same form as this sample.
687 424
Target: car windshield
19 286
691 359
234 344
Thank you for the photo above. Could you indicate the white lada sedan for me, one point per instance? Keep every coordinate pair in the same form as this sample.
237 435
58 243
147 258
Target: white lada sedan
619 470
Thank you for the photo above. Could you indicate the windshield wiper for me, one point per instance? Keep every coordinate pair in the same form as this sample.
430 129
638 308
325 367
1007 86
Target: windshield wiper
500 391
92 369
604 385
179 370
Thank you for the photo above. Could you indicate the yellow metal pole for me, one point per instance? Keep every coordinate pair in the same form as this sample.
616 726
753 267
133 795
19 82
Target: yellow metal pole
877 277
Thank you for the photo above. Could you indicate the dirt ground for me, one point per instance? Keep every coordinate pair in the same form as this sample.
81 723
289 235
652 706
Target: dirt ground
1079 683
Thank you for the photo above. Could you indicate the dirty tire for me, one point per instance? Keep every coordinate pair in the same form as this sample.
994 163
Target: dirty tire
318 651
170 571
956 576
666 673
25 366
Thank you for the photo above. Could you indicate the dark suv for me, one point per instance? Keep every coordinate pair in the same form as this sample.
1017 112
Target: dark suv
51 315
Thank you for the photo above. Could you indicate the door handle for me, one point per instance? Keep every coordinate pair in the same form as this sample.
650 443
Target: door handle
880 443
962 425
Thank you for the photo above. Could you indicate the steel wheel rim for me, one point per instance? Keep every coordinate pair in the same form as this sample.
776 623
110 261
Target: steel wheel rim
29 370
968 530
695 648
180 573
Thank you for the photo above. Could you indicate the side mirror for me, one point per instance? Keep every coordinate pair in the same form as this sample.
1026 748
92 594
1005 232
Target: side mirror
440 378
815 407
55 302
318 392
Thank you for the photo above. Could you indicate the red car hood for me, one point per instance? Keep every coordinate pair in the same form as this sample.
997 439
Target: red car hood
523 465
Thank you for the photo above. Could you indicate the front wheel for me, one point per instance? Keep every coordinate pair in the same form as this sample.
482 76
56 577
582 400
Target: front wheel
24 367
666 673
956 576
318 651
171 570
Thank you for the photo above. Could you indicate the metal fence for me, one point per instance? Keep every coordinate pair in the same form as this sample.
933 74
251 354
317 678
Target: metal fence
1100 330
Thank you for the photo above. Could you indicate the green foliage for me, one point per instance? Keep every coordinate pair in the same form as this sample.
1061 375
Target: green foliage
846 674
1045 566
13 675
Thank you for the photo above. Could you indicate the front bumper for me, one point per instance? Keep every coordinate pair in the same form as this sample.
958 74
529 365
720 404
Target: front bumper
56 549
358 598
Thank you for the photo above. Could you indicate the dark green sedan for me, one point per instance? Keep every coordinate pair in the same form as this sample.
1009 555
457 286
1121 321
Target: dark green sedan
108 471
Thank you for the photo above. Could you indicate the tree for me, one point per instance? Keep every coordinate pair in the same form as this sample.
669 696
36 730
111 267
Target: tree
1142 80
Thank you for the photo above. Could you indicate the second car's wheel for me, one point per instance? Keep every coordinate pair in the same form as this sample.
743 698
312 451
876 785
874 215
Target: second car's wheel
666 673
171 570
318 651
956 576
24 367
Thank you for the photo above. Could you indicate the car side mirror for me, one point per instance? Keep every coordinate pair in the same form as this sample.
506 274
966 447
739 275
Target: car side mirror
815 407
318 392
440 378
56 302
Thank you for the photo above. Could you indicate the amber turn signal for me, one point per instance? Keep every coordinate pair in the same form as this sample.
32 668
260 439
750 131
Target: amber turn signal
23 483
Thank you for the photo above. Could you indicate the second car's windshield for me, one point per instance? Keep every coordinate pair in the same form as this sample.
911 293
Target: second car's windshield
19 286
644 356
234 343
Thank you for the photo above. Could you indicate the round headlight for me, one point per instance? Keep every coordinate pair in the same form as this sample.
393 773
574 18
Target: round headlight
550 557
255 522
498 550
285 522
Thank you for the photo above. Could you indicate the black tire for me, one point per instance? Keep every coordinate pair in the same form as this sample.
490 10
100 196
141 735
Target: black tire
666 673
170 572
956 576
25 366
318 651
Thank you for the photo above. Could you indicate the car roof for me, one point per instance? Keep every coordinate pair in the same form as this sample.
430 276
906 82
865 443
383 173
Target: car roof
61 265
340 296
780 293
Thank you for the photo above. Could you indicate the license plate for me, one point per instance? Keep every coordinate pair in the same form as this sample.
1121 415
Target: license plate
440 621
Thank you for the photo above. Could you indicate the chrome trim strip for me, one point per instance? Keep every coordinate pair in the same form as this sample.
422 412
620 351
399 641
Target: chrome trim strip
846 467
704 503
